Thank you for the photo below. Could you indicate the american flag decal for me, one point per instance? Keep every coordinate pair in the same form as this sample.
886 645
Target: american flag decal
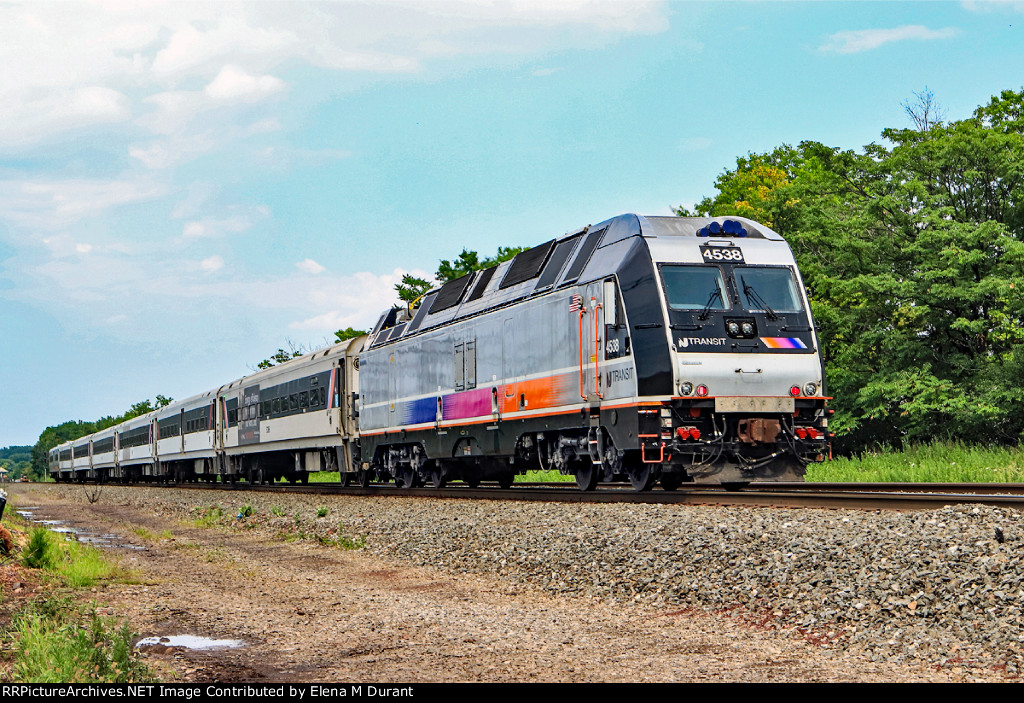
576 304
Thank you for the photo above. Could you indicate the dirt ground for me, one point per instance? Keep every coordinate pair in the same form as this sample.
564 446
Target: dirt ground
313 613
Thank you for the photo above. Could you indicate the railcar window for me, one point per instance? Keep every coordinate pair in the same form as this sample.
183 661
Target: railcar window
304 399
761 286
694 287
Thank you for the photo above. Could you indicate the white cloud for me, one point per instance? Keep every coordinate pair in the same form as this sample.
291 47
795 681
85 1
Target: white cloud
310 266
344 301
232 83
172 151
48 204
211 264
173 67
28 118
216 227
855 41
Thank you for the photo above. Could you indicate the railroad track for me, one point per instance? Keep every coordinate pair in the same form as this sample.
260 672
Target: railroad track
854 496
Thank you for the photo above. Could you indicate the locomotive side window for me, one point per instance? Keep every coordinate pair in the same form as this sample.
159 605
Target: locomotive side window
471 364
694 287
460 366
767 288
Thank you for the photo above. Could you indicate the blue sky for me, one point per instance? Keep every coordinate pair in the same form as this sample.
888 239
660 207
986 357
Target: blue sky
186 187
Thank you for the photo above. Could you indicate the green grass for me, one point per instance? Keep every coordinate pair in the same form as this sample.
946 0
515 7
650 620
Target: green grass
151 536
550 476
54 642
75 564
52 639
938 462
211 516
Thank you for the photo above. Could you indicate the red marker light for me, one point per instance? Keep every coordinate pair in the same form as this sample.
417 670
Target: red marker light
794 391
702 391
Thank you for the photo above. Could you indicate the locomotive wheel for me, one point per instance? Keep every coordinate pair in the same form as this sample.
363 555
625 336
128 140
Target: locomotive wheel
405 477
364 478
506 480
735 485
437 478
472 481
345 478
586 475
642 477
670 482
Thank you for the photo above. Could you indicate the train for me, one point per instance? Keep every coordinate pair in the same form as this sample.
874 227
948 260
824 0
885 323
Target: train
644 349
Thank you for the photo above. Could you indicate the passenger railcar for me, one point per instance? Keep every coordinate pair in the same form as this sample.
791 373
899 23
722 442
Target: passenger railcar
282 422
643 349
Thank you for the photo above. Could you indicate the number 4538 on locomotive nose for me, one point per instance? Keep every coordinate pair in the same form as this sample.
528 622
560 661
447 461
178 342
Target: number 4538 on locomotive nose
641 349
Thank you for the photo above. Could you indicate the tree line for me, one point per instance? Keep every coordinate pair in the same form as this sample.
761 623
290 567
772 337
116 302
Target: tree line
73 429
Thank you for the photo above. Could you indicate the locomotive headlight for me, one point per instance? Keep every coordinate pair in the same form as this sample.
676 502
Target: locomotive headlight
685 388
810 388
748 328
734 328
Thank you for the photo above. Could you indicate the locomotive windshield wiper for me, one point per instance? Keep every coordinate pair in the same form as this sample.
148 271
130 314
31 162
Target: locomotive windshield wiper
748 290
716 293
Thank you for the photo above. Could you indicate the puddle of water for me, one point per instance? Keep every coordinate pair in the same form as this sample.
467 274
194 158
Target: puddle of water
105 540
188 642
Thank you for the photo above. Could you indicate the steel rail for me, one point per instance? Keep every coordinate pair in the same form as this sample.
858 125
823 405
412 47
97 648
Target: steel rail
849 496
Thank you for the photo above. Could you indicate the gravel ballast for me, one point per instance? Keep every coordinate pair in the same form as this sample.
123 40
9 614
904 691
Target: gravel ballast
942 587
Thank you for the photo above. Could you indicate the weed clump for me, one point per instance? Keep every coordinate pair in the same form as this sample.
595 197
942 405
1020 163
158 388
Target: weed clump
56 643
39 552
210 517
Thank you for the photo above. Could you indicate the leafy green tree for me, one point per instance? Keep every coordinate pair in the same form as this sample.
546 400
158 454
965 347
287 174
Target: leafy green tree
347 334
412 288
